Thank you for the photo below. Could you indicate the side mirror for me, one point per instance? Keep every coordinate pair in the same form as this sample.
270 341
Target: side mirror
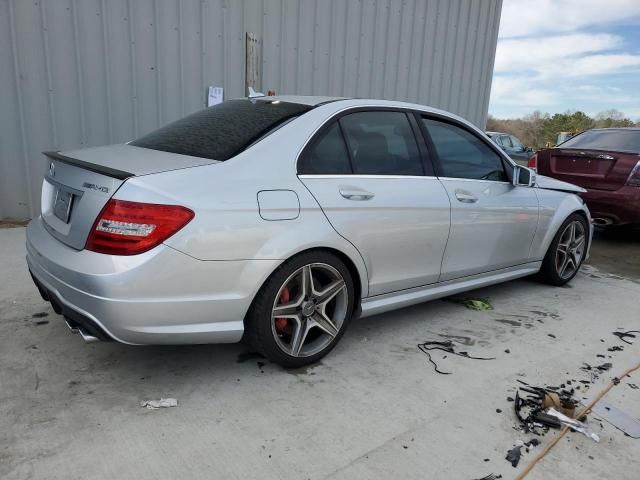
523 177
529 150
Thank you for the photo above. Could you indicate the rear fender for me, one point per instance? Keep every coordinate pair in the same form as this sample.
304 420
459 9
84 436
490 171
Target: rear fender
228 224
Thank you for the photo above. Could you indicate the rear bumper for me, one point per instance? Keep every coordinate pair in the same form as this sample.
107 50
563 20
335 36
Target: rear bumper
159 297
620 206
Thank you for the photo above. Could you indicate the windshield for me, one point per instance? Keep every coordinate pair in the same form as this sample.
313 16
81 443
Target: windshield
610 139
222 131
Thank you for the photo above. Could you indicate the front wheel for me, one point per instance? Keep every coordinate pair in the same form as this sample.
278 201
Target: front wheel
566 252
302 310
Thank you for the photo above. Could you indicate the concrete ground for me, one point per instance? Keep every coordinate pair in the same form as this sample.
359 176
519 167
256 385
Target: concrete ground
374 408
617 251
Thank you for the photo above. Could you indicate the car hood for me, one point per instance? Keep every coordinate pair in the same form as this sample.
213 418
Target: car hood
549 183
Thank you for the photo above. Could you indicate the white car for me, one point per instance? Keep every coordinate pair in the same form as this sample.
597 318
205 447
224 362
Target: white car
281 218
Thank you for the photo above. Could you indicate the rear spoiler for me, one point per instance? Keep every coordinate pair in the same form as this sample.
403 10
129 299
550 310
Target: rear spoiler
111 172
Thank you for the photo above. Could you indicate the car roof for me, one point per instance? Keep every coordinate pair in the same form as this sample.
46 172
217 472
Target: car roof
333 105
311 100
491 134
339 103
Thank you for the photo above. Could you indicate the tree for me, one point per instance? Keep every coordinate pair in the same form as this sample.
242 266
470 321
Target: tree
612 118
539 129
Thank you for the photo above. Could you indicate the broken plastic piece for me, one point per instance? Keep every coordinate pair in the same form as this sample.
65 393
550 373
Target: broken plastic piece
616 417
574 424
628 334
162 403
513 456
546 420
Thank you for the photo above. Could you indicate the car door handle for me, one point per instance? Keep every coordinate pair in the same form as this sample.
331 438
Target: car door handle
466 198
356 194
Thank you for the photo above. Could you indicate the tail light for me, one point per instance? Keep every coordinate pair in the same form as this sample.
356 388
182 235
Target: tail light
129 228
634 176
533 162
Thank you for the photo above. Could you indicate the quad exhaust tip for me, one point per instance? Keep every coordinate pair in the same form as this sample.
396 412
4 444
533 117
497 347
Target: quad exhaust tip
86 336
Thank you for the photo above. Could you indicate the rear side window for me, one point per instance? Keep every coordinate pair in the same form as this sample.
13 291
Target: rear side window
616 140
461 154
327 154
222 131
381 143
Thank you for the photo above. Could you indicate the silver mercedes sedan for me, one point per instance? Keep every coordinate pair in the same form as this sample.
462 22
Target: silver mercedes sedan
277 220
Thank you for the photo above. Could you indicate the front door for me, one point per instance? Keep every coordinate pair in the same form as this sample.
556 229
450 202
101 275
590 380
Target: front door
367 173
492 222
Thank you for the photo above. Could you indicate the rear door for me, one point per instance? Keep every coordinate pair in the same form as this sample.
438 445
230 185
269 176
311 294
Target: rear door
492 221
600 159
368 173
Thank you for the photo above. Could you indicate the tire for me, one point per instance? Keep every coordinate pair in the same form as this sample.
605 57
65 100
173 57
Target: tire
313 315
566 252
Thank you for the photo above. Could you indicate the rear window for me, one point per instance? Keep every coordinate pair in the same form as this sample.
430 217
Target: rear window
617 140
222 131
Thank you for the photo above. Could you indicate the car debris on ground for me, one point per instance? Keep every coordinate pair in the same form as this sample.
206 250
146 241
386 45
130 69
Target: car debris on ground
573 424
628 334
532 408
513 455
447 347
472 303
621 420
162 403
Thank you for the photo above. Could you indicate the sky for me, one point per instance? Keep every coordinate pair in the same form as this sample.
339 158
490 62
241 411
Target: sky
559 55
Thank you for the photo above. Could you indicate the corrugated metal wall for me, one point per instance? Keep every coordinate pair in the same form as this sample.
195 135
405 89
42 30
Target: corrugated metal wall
77 73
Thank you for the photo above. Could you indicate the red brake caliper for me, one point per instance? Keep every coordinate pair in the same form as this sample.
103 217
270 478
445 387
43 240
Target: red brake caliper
281 323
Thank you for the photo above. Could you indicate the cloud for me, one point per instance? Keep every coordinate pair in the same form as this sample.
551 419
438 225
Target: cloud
518 91
598 65
539 53
529 17
558 55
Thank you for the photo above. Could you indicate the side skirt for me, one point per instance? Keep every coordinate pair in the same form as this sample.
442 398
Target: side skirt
404 298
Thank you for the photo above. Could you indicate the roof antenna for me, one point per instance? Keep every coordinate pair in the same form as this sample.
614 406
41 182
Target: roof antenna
254 94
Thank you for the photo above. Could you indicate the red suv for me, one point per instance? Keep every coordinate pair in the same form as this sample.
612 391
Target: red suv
604 161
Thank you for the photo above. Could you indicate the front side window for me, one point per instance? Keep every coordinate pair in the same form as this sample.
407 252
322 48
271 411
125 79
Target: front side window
381 143
327 154
461 154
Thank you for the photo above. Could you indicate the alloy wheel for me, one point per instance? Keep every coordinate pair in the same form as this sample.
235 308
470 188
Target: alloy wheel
570 249
309 310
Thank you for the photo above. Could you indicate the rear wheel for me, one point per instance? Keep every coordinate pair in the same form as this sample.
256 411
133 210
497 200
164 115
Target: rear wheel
302 310
566 252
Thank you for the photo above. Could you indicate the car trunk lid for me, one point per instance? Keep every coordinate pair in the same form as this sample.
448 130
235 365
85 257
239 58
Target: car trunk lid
79 183
592 169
